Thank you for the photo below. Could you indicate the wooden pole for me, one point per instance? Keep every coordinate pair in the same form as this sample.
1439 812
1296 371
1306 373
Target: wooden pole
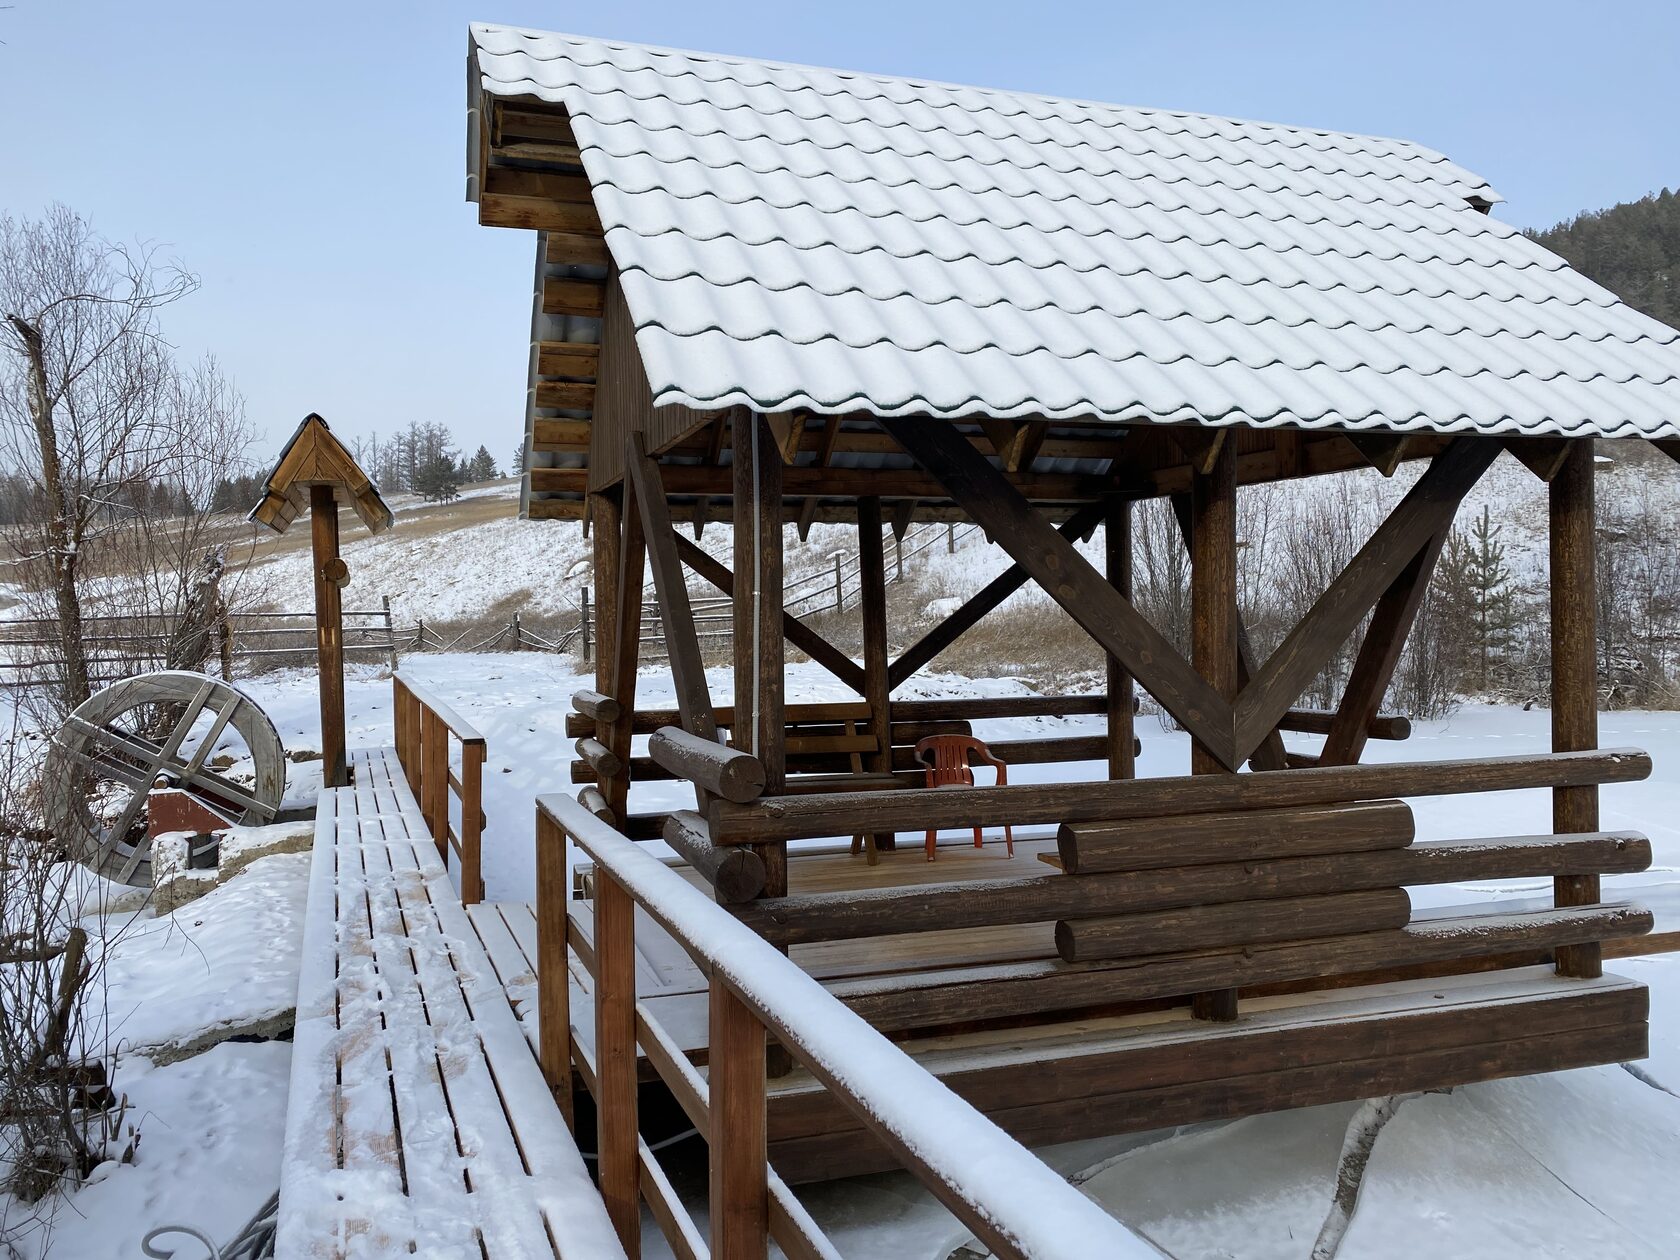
1213 630
1574 676
615 1059
872 582
739 1185
554 1028
760 709
1117 548
329 633
624 646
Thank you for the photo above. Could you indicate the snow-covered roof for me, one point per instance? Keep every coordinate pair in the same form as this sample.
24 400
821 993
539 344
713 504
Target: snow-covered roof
790 237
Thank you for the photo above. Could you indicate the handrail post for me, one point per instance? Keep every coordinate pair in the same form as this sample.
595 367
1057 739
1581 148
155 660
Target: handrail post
554 998
434 783
739 1189
615 1059
472 823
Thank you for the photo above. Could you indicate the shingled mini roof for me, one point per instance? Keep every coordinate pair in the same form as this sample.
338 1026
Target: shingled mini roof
314 457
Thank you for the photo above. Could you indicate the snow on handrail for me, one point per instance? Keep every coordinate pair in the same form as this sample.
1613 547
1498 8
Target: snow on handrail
463 730
992 1183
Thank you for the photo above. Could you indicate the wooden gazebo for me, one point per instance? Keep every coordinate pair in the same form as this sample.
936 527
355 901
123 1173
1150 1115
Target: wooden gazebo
769 294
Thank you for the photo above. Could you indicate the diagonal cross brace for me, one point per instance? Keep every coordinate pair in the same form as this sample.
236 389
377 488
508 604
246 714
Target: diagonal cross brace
1068 578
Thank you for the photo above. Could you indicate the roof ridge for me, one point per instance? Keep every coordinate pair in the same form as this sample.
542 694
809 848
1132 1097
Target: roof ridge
1091 103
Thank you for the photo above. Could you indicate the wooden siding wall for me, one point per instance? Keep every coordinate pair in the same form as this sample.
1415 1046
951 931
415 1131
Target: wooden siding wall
624 400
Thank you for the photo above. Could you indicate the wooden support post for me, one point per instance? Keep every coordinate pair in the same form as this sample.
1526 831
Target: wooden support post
1574 676
472 823
329 632
739 1185
872 582
615 1059
1213 631
434 778
1117 550
760 718
626 645
554 1015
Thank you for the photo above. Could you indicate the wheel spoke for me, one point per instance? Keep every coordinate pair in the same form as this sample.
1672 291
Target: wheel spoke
142 848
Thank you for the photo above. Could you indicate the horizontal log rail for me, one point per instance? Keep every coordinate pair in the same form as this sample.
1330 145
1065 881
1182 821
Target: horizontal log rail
804 918
836 759
424 725
1015 1204
841 813
1435 946
647 721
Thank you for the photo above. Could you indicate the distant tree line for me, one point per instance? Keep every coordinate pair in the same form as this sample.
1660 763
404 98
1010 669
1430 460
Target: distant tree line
1632 249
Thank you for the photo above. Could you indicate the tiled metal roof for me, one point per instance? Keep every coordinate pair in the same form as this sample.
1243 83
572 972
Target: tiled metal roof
796 237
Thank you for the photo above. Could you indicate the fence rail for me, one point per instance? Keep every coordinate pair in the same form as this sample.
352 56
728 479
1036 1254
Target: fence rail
124 644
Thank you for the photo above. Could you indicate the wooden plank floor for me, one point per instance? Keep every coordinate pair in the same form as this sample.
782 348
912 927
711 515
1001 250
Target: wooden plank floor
418 1120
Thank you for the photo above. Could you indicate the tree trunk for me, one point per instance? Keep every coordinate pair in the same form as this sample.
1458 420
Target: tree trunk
63 532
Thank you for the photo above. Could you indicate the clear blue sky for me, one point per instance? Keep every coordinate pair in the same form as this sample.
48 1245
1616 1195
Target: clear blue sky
307 159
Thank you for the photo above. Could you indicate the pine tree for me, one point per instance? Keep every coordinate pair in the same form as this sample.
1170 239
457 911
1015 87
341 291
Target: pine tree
437 480
482 466
1479 597
518 464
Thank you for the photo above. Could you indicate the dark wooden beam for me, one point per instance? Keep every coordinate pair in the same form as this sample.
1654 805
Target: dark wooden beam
625 644
682 644
1379 655
1425 510
872 585
1122 697
1574 674
1070 580
1213 635
1542 456
1383 451
759 697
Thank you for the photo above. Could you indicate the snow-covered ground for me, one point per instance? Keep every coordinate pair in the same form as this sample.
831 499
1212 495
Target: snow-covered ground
1574 1164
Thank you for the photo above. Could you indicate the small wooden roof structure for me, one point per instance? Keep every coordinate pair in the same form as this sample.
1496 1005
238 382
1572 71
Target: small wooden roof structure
314 457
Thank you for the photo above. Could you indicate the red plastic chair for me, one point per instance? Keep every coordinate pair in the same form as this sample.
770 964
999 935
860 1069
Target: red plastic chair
947 760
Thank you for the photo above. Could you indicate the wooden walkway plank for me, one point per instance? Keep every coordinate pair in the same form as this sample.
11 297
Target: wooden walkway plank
420 1121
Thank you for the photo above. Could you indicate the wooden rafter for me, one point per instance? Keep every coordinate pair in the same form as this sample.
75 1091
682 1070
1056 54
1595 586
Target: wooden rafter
1070 580
1542 456
1427 509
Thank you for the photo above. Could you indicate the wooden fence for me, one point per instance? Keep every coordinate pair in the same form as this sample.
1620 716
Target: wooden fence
121 645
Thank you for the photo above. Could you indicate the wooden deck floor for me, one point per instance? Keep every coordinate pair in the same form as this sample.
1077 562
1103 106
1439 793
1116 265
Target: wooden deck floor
418 1120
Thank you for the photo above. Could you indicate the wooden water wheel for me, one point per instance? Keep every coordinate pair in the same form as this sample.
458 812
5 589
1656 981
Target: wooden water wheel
165 726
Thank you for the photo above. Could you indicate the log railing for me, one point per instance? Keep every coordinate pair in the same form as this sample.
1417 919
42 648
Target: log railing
1014 1203
424 727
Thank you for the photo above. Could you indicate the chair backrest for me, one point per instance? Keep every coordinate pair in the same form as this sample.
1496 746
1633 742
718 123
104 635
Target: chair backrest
946 756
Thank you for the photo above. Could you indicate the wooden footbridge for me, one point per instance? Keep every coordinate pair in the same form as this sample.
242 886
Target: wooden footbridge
770 295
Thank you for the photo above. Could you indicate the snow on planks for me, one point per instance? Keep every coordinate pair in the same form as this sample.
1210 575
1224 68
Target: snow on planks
418 1120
